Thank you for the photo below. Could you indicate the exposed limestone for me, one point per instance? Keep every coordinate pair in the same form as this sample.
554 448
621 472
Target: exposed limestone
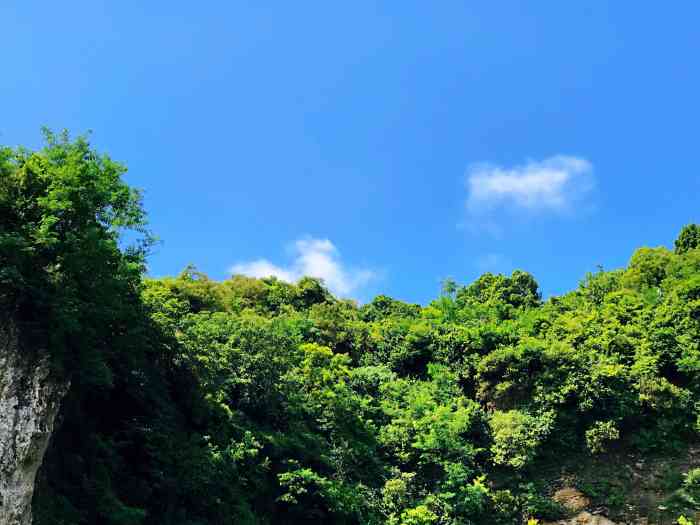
29 402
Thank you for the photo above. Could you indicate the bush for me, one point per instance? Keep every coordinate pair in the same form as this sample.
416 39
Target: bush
517 435
420 515
600 435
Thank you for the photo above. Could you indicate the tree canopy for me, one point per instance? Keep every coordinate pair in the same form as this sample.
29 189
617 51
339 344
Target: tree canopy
258 401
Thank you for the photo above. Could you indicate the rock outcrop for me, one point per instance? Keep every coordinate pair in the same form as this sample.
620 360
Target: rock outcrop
575 501
584 518
571 499
29 401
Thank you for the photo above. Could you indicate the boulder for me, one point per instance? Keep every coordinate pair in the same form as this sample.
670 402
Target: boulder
571 499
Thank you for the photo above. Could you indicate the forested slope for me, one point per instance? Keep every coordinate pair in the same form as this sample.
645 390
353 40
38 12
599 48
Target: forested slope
258 401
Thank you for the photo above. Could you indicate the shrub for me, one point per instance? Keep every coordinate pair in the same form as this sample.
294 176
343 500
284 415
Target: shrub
517 435
600 435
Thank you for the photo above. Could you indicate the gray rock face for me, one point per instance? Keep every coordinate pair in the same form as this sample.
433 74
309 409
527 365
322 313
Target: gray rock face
29 402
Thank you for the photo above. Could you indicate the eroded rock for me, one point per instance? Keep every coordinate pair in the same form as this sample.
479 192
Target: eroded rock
29 401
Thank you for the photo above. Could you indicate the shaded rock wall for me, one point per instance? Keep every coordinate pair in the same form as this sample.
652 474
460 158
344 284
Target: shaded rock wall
29 401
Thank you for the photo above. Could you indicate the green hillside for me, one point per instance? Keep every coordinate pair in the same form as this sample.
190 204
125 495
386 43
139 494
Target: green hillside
255 401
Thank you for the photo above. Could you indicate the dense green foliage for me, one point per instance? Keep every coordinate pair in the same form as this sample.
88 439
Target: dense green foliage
263 402
63 274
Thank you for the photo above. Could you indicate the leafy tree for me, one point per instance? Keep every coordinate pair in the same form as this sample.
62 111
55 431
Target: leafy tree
518 290
64 273
689 239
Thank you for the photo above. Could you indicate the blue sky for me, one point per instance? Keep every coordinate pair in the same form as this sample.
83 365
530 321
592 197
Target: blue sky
380 145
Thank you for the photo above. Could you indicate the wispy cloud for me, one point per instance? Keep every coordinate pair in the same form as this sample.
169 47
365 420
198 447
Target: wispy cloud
553 184
314 258
494 263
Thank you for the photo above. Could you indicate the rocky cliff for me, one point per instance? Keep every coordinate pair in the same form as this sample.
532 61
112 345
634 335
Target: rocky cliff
29 402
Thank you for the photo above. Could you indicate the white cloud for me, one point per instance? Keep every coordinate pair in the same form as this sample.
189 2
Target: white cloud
553 184
314 258
262 268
